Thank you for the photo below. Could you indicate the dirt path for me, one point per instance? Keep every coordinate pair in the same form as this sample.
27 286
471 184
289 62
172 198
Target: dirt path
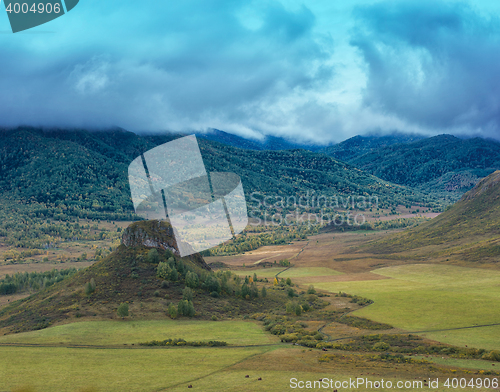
287 268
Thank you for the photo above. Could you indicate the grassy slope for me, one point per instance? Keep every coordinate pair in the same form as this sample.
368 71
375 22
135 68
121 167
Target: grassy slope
123 276
468 231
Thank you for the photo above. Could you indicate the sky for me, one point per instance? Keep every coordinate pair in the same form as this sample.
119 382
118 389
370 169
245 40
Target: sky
316 71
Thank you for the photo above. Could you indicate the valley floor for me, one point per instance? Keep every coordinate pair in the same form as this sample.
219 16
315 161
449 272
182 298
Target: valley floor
441 302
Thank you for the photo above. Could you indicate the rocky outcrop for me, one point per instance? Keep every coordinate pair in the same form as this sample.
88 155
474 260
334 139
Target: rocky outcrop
151 234
156 234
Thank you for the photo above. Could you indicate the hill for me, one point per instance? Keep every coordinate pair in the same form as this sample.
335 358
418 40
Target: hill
469 231
442 163
359 145
61 173
145 272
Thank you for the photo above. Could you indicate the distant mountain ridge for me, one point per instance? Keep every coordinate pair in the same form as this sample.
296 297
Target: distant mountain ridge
441 163
272 143
360 145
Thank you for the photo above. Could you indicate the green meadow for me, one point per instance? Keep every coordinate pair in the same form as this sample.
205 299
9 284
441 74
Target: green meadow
114 367
48 369
433 297
475 364
97 333
110 363
82 369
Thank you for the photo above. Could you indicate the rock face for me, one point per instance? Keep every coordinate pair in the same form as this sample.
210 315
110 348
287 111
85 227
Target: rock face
151 234
156 234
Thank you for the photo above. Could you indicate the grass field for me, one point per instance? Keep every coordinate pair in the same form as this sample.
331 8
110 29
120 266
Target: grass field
432 297
123 369
294 272
71 369
133 332
462 363
48 369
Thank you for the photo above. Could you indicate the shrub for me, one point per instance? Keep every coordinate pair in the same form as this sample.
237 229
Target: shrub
492 356
187 294
122 310
185 308
263 292
157 293
163 270
153 256
311 297
214 294
254 291
172 311
212 284
311 290
288 281
245 291
381 346
192 280
182 342
214 318
190 309
174 275
90 287
291 292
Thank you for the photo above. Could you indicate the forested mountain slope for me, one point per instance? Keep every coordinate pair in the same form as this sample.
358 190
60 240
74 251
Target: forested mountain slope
441 163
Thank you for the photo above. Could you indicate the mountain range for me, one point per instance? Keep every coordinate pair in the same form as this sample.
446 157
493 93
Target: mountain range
360 145
444 164
85 174
441 164
60 172
266 143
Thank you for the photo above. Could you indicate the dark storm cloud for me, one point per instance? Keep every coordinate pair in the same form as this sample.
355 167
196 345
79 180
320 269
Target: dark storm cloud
433 64
159 65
